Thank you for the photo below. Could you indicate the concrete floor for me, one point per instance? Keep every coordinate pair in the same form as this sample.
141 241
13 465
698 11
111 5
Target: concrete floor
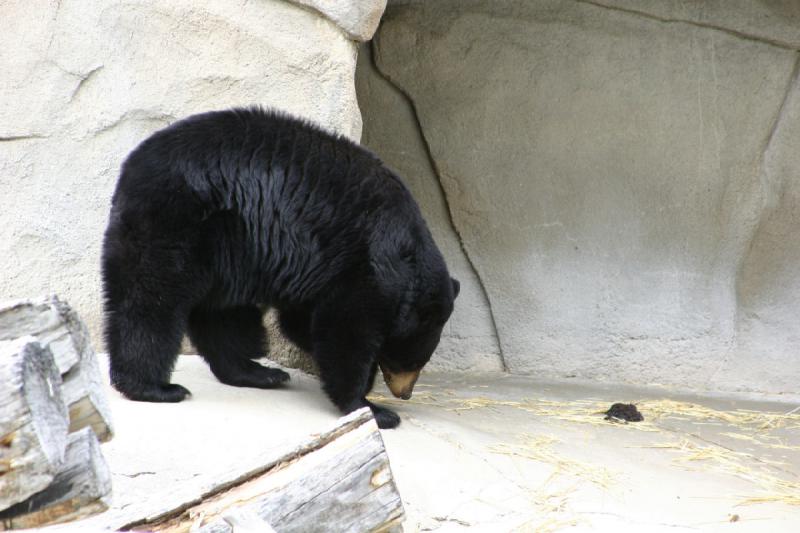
493 453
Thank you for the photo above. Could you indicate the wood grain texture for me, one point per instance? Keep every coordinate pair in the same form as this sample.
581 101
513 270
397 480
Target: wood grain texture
56 326
339 480
78 490
33 419
42 319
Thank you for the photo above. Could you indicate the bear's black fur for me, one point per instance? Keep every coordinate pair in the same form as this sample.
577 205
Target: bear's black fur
223 214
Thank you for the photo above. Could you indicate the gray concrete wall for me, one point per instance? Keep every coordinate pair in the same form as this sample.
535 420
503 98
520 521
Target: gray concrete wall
617 182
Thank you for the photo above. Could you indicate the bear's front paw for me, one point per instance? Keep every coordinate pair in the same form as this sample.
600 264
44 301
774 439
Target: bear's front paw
386 418
273 377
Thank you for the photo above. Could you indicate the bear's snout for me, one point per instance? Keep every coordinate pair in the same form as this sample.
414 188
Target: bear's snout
400 383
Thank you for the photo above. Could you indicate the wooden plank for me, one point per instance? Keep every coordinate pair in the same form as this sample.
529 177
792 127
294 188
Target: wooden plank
33 419
58 327
339 480
78 490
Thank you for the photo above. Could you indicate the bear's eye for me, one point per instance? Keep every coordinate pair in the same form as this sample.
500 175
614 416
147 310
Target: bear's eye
435 314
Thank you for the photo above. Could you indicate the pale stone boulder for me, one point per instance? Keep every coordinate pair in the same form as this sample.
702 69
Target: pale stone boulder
357 18
84 82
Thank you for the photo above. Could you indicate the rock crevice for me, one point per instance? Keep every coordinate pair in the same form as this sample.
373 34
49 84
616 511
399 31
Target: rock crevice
779 39
620 177
451 222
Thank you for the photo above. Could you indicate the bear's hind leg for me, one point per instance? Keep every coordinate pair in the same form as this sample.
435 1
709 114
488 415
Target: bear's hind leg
142 349
228 339
296 326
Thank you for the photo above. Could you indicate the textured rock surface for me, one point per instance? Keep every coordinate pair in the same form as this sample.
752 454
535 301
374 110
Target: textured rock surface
390 128
624 186
768 326
775 21
358 18
84 82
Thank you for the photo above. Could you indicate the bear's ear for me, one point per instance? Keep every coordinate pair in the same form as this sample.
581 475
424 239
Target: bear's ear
456 287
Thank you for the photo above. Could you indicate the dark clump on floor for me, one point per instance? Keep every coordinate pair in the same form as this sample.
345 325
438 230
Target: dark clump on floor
624 411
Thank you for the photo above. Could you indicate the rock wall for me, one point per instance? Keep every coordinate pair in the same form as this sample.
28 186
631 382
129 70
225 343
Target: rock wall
615 182
622 175
469 341
84 82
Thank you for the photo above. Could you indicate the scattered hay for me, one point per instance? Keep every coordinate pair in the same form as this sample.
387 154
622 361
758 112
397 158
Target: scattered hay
741 436
553 512
743 418
749 425
539 448
550 525
467 404
590 412
578 411
773 497
761 439
738 464
419 398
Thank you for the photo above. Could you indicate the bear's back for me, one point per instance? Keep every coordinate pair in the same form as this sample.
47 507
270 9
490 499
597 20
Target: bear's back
270 195
230 148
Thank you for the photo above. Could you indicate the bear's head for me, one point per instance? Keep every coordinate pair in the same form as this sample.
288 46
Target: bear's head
416 334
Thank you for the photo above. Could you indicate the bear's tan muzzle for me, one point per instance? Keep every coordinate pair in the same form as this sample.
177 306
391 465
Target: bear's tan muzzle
400 383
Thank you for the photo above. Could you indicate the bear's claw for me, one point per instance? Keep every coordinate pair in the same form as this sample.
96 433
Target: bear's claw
386 418
158 392
246 373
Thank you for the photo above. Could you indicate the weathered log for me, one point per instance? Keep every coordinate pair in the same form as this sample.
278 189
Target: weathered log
58 327
33 419
79 489
239 521
43 319
88 406
338 481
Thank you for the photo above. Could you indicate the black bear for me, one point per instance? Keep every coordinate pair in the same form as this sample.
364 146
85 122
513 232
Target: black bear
224 214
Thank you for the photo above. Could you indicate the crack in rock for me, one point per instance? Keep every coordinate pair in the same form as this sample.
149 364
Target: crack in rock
137 474
13 138
136 115
84 79
438 173
669 20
